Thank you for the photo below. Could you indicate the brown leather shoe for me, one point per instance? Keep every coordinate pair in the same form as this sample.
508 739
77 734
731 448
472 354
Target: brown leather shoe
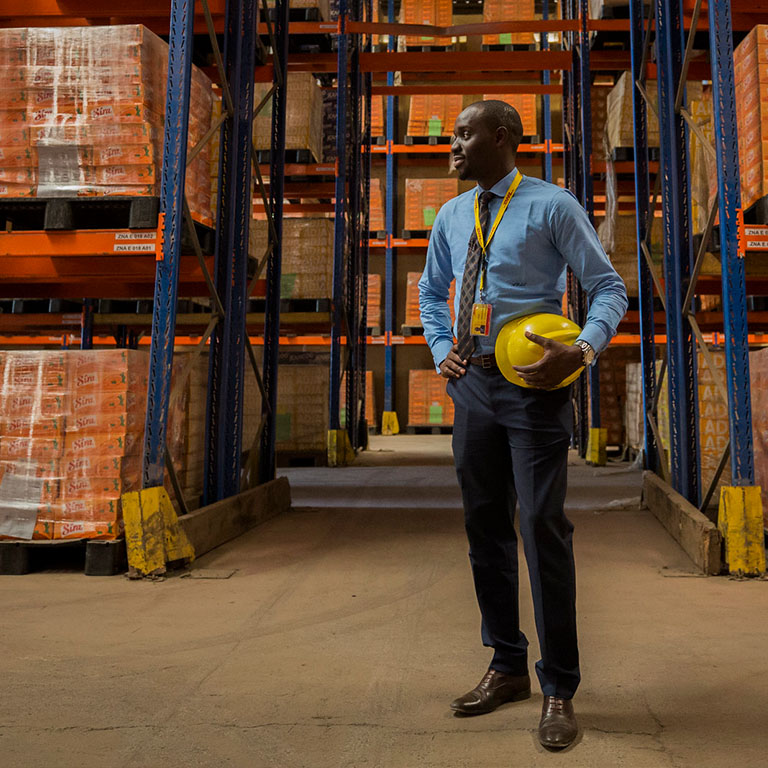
494 689
557 728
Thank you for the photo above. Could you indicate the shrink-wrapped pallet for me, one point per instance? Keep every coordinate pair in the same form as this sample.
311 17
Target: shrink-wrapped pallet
428 401
508 10
303 119
424 198
302 408
433 115
377 222
70 441
437 13
373 310
751 77
81 114
307 264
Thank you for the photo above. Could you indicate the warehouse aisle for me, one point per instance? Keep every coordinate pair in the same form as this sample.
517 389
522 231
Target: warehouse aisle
346 629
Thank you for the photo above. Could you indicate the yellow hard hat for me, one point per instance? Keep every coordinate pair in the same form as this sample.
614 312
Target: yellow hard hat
514 348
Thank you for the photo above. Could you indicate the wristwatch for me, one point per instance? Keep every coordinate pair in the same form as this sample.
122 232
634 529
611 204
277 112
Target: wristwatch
587 351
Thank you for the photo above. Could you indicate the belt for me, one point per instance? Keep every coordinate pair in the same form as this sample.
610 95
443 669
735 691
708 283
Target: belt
484 361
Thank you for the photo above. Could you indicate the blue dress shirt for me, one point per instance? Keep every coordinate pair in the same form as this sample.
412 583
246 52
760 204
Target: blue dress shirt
543 230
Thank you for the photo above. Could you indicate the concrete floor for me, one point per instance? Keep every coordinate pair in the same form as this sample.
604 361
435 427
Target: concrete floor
345 631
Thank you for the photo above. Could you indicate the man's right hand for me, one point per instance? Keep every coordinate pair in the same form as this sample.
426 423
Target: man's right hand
453 367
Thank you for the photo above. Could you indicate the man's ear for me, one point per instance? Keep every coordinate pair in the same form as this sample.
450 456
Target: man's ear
502 135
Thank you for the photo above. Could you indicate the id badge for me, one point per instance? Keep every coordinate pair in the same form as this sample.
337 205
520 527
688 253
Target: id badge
481 319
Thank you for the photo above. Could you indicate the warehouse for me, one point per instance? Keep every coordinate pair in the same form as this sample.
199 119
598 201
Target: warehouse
303 302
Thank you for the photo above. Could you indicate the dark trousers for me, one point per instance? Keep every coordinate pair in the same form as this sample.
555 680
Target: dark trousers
510 446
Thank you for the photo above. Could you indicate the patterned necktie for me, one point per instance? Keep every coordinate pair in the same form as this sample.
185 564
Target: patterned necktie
466 342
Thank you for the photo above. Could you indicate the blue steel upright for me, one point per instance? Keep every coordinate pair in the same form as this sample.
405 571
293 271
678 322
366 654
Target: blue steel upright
167 272
389 264
678 256
733 279
644 222
587 194
267 460
224 427
545 101
340 221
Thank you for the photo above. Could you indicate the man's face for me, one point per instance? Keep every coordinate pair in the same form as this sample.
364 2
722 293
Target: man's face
474 149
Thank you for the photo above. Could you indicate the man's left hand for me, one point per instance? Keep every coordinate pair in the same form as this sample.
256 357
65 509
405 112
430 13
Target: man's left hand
559 361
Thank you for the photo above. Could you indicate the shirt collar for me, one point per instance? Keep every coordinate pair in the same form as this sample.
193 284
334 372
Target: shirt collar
502 185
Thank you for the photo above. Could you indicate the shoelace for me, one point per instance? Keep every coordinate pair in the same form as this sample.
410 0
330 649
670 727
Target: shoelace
555 704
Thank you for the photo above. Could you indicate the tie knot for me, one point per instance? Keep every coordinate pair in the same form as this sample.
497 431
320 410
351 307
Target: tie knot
485 198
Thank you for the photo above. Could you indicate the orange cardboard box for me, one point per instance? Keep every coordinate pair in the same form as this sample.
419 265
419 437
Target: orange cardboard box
23 176
125 468
16 155
17 190
32 449
46 487
33 371
26 426
97 134
88 529
49 469
100 444
90 488
93 509
28 403
107 370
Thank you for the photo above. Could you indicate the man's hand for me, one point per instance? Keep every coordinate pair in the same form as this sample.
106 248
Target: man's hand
453 367
559 361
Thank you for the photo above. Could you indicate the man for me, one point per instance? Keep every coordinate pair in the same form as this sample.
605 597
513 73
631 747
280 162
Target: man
510 443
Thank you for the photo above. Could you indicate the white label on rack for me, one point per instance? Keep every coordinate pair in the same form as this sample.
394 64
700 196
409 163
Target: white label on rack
135 247
136 236
760 231
753 245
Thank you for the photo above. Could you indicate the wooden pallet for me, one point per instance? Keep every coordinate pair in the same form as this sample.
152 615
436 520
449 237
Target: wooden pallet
429 429
92 557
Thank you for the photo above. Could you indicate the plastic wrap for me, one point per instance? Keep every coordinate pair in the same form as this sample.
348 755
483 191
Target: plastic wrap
71 433
81 114
424 198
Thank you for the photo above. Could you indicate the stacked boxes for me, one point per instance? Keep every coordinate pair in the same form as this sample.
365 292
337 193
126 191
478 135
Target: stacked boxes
438 13
618 236
525 104
507 10
428 401
374 301
613 378
377 222
302 408
377 116
703 167
370 400
433 115
758 375
751 76
599 119
70 441
424 198
304 116
412 310
81 114
634 416
307 268
620 118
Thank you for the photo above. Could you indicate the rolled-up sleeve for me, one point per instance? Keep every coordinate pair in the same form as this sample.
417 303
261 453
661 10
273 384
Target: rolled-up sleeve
576 239
434 288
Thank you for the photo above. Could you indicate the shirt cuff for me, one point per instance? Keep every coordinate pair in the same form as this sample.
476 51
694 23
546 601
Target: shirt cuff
595 337
440 351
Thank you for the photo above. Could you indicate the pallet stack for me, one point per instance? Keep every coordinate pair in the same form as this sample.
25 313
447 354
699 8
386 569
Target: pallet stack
377 221
302 409
374 301
751 76
307 266
433 115
428 402
81 115
303 118
438 13
504 10
613 389
424 198
70 441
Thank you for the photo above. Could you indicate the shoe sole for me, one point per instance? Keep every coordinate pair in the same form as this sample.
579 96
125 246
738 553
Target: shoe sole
468 713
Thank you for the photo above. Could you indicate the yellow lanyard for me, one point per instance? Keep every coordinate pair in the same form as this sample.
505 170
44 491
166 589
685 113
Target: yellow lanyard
484 245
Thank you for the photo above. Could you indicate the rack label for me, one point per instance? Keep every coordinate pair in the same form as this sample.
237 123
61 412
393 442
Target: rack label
134 247
136 236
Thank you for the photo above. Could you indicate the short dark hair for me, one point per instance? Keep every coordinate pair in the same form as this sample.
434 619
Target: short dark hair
498 113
